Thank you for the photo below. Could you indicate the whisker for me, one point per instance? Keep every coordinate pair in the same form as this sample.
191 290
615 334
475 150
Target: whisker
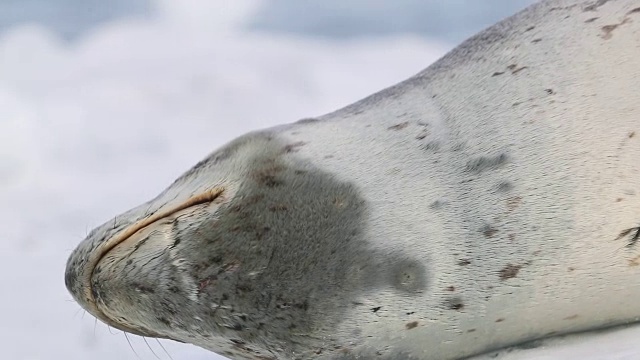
109 327
95 324
131 346
149 346
83 314
163 349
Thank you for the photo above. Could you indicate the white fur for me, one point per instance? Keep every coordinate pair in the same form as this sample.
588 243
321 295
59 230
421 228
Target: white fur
569 122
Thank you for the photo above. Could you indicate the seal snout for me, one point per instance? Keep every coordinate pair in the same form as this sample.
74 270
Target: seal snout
95 273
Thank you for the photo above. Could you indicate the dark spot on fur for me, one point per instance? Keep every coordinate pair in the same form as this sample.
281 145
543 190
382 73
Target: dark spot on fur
464 262
307 121
488 231
519 69
635 235
144 289
454 303
510 271
399 126
268 176
451 288
278 207
505 186
535 41
591 20
562 8
294 147
497 73
437 205
411 325
530 28
607 30
594 6
164 321
376 309
631 134
499 320
550 91
634 11
513 203
471 330
484 163
572 317
515 69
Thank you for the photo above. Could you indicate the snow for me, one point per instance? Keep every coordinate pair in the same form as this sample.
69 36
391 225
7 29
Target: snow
92 128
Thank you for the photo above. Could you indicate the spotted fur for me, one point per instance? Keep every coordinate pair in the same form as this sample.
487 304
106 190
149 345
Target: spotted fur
488 201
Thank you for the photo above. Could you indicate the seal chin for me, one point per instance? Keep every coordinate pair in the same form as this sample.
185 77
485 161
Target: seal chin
108 279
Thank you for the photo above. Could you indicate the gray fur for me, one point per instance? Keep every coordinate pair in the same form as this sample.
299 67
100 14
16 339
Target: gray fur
486 202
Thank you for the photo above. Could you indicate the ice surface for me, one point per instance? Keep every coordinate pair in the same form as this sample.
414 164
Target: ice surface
93 128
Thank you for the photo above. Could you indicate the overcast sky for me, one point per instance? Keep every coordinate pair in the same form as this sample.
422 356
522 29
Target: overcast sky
450 20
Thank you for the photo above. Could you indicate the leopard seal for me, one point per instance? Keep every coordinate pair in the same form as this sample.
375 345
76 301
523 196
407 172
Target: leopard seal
490 200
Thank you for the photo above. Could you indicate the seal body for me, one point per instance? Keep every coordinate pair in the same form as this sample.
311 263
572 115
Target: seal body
490 200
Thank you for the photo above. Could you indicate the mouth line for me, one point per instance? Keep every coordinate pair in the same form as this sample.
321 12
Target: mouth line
104 248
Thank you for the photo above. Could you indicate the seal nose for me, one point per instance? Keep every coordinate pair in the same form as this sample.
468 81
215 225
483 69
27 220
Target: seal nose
73 278
97 284
104 272
70 277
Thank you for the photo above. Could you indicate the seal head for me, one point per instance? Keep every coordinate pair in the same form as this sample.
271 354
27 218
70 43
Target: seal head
261 258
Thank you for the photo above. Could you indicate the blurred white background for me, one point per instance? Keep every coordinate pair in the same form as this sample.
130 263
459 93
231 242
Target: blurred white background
103 104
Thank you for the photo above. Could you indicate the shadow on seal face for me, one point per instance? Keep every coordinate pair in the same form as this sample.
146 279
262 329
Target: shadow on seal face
267 271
